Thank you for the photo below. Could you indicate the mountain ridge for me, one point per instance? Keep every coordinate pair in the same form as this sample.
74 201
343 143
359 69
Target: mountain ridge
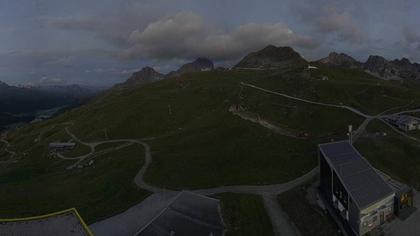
376 65
149 75
271 57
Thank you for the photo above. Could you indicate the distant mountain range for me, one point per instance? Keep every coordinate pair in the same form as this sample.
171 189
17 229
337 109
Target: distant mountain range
148 75
27 99
376 65
286 58
17 103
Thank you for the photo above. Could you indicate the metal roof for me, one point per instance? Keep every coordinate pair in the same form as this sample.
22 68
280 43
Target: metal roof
359 178
188 214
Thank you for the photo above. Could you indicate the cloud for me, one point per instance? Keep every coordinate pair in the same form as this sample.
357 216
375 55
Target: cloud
186 35
47 81
113 25
411 36
329 20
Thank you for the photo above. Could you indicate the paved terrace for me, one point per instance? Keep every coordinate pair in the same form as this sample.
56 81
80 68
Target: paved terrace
63 223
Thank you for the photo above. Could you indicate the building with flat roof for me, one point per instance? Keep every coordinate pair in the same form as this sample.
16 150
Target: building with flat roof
65 223
61 146
404 122
187 214
348 183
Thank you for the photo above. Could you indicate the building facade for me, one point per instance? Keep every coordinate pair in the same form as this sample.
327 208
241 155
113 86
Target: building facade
405 122
353 189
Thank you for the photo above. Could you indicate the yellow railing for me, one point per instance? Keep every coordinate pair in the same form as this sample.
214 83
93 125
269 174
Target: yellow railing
71 210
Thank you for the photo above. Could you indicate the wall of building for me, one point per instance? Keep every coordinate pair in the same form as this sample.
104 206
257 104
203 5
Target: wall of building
354 216
376 214
325 177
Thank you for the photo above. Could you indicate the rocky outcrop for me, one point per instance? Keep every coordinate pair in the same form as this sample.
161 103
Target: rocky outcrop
341 60
200 64
375 65
272 57
144 76
380 67
396 69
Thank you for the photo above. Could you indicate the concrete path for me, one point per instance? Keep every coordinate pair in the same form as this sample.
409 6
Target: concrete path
280 221
273 189
132 220
361 129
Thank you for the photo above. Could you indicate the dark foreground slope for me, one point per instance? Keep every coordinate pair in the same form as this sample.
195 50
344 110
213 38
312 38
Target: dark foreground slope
196 142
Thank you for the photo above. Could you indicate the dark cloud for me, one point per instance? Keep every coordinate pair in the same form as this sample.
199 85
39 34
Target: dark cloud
64 39
182 35
329 20
186 35
113 25
411 36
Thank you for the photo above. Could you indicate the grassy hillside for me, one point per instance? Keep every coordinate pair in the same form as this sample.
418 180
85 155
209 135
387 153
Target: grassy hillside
244 215
39 185
197 141
392 153
307 217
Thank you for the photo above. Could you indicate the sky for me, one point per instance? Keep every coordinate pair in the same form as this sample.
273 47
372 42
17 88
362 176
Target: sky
101 42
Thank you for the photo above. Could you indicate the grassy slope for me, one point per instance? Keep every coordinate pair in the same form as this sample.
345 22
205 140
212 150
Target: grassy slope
393 153
79 150
199 142
308 218
41 186
245 215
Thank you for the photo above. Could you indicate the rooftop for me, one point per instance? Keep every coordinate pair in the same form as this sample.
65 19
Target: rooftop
65 223
187 214
359 178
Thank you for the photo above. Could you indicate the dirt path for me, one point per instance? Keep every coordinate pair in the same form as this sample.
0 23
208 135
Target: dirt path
354 110
368 118
249 116
12 158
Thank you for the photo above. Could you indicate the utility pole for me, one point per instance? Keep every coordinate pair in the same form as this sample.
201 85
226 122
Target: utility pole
350 133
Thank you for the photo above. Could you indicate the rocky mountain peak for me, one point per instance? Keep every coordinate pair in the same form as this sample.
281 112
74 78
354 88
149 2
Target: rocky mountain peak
374 59
272 57
144 76
340 60
403 62
199 64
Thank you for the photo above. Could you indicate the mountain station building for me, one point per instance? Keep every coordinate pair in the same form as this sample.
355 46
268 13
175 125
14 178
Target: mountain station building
353 190
405 123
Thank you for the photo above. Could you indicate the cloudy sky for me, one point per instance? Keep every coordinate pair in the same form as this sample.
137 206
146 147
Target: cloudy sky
103 41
